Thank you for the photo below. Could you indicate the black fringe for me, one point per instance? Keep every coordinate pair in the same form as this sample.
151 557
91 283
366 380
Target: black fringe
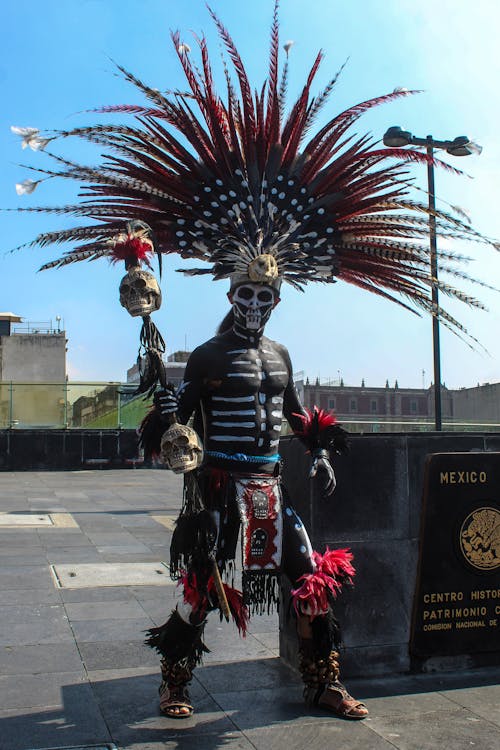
261 591
150 359
194 539
176 640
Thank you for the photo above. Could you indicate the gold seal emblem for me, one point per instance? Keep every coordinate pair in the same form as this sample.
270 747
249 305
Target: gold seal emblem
480 538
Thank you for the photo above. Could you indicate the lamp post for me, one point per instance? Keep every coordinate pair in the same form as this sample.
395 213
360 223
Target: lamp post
396 137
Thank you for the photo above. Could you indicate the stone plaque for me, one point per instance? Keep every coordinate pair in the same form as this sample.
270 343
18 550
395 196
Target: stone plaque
457 598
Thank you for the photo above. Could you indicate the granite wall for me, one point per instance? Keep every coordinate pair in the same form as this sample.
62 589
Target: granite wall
375 511
39 450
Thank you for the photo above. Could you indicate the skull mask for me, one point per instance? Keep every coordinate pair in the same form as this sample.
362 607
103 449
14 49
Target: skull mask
139 292
252 305
181 449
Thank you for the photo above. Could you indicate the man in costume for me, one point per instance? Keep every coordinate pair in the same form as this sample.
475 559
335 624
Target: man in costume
241 384
242 184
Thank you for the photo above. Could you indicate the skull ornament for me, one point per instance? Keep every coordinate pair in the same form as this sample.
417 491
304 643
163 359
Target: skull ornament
181 449
252 305
260 502
258 542
263 269
139 292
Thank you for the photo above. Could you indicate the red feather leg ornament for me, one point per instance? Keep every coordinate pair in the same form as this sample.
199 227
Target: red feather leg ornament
333 569
200 601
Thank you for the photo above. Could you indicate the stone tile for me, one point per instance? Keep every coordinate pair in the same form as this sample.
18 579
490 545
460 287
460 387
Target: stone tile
118 655
263 623
25 659
455 729
36 624
129 702
242 676
481 701
235 649
132 549
317 734
409 704
67 538
103 594
116 610
25 577
89 575
8 549
78 723
270 641
34 690
30 596
179 741
159 609
19 561
257 707
68 555
111 630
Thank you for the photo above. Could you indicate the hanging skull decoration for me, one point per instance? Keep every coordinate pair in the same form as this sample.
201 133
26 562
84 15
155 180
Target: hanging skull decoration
252 305
181 449
139 292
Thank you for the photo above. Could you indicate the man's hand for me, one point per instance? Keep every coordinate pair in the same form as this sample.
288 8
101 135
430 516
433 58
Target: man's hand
166 402
321 463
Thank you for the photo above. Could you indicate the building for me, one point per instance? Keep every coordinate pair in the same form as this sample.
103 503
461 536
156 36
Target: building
391 408
174 369
31 352
480 404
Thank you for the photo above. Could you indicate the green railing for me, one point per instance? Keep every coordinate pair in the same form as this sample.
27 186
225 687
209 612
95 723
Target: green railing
114 406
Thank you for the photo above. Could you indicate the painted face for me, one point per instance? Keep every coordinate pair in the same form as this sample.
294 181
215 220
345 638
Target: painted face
252 306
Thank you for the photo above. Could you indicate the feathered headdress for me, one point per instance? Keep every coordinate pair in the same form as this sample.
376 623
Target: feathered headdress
255 192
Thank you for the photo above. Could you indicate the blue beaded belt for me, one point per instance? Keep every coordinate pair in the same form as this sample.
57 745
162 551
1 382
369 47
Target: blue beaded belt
244 457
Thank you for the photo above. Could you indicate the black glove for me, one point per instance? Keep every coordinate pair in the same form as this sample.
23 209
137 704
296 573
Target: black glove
321 463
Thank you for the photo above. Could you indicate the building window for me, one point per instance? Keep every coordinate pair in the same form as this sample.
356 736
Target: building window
353 404
374 405
413 406
331 403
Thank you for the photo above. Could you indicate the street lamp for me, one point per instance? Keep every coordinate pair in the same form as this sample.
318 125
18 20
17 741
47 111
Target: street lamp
396 137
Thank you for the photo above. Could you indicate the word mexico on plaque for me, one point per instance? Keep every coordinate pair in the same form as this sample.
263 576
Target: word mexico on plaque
457 598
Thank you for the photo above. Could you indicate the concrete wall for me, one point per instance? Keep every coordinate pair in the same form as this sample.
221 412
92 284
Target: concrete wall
375 511
33 358
478 404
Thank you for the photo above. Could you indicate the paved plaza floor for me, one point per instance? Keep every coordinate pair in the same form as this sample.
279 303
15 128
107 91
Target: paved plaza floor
74 670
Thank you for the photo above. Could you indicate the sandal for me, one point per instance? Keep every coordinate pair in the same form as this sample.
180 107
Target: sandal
176 703
336 699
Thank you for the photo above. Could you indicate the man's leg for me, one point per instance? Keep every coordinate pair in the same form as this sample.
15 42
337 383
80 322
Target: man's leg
317 629
179 642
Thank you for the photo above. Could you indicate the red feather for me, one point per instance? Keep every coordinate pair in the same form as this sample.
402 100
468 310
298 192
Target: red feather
132 247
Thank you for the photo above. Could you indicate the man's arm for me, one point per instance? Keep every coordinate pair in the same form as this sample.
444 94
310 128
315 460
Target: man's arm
298 418
186 399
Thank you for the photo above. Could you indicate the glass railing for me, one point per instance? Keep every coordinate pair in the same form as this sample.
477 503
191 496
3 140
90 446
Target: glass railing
114 406
71 405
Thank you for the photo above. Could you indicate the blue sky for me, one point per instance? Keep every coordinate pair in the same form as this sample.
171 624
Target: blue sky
55 62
